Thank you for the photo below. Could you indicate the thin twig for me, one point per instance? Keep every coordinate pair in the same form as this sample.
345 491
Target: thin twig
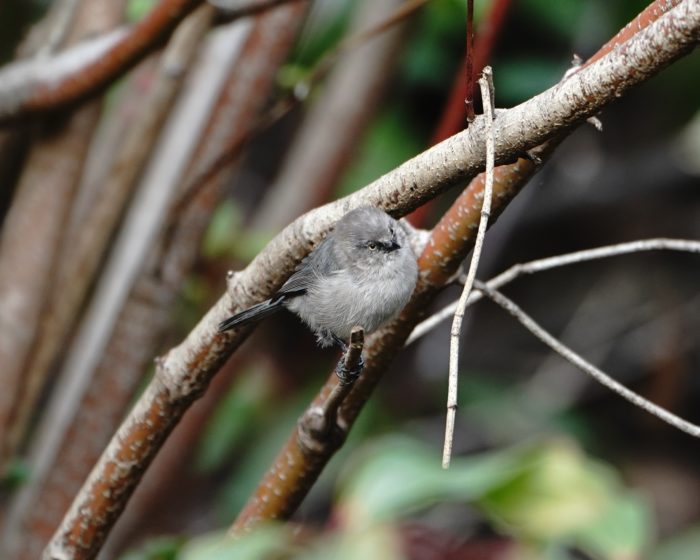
540 265
572 357
485 84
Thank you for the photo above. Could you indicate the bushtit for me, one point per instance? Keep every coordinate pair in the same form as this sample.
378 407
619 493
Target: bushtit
362 274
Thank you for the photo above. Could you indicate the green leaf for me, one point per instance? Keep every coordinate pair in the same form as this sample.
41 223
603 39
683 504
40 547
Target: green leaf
160 548
396 476
225 223
230 423
623 531
137 9
270 540
16 474
389 142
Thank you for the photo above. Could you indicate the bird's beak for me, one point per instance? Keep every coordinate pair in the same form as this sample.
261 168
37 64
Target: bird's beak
393 245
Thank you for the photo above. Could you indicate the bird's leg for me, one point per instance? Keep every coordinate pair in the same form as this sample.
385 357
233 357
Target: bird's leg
348 370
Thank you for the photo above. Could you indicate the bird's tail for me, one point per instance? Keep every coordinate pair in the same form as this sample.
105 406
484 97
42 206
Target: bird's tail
252 314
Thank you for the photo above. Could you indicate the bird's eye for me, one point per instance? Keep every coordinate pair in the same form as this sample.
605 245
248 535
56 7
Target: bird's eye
372 245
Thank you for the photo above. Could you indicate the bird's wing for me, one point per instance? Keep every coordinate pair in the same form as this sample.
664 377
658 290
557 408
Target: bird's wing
317 264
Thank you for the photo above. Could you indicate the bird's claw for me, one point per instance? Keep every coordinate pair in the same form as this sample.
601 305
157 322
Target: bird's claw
348 376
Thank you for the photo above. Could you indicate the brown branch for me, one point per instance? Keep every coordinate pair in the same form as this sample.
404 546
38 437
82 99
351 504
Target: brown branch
453 116
48 93
184 373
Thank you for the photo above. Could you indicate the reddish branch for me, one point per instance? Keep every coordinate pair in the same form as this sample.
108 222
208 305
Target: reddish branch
646 17
470 79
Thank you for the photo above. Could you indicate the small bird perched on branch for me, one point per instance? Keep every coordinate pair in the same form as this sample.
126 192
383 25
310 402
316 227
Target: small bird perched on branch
362 275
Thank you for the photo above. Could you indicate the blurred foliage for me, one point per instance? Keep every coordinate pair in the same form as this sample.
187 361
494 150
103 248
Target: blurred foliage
137 9
389 142
229 425
548 495
16 474
682 547
161 548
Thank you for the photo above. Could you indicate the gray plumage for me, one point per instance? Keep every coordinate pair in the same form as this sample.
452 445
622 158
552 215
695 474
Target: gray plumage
362 274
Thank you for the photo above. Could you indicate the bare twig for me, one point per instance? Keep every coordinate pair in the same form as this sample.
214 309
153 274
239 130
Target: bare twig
485 83
540 265
601 377
48 83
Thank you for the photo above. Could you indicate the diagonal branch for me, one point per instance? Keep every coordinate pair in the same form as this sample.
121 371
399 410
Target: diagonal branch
572 357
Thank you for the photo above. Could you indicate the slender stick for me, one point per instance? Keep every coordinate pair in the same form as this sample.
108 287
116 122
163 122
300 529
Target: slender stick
486 85
572 357
540 265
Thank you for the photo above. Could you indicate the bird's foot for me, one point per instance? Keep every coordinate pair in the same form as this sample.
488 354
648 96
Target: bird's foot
348 376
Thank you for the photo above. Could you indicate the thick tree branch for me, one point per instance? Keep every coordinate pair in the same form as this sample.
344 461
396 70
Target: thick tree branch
29 88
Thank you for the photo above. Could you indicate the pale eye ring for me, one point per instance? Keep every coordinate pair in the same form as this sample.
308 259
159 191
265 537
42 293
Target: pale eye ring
372 245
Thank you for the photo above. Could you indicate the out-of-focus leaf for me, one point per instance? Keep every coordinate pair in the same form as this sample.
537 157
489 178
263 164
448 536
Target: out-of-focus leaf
136 9
396 476
377 541
389 142
519 79
557 494
681 547
221 234
15 475
160 548
560 17
621 532
268 541
565 496
548 494
437 45
231 421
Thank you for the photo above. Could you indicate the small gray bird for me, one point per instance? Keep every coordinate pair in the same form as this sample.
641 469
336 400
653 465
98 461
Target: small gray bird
362 274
